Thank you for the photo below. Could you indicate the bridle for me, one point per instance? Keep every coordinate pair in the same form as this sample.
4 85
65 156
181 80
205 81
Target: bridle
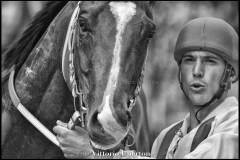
79 116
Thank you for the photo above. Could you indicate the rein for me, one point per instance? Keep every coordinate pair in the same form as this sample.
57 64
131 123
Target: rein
28 115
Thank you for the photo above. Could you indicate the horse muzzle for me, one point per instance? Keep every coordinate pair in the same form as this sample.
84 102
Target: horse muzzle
105 132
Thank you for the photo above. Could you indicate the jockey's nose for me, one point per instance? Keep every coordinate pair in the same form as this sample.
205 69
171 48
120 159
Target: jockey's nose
198 69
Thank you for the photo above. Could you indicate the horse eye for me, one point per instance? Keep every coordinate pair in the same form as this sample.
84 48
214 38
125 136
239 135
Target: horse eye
84 24
82 21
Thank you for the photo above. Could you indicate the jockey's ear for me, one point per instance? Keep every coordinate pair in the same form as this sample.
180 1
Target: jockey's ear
233 76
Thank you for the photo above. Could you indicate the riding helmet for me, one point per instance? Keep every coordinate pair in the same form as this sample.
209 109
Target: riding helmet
209 34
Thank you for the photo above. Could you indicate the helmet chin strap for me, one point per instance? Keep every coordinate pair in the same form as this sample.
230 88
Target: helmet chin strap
225 84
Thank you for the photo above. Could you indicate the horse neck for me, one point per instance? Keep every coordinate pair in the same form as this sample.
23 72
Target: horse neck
42 69
36 74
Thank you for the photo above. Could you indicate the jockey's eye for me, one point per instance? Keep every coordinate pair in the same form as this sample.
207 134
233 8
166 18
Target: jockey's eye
187 59
210 60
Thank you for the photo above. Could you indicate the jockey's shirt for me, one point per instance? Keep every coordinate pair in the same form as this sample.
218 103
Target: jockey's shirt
221 140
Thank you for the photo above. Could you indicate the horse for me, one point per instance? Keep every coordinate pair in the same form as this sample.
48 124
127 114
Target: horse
78 57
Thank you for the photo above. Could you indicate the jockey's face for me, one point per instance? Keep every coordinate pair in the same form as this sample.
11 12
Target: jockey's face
201 73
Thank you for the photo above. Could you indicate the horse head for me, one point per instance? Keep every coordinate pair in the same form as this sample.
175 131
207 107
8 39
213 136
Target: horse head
110 47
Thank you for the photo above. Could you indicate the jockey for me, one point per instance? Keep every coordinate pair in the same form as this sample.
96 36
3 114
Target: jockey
207 55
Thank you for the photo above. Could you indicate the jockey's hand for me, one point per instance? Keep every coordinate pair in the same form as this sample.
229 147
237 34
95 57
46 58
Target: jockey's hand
73 143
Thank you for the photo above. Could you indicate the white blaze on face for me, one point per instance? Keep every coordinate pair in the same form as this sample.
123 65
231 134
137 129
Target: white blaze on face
123 13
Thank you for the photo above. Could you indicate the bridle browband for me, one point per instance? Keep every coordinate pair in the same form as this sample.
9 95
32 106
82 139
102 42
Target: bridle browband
79 116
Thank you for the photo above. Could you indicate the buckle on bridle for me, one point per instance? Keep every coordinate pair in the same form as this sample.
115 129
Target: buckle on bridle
79 116
74 120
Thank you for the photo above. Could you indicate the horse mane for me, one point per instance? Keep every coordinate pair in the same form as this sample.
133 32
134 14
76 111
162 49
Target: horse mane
18 52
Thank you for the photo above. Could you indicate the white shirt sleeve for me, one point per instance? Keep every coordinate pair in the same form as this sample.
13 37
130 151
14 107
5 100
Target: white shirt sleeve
223 139
217 146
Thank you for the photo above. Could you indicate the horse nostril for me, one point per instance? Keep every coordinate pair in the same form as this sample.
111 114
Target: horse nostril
96 124
128 103
129 115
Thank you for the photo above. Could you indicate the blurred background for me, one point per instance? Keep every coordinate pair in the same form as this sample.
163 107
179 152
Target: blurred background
166 102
